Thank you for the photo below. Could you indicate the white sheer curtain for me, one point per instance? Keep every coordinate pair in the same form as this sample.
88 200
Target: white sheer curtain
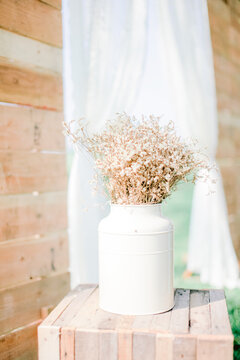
105 45
184 26
104 50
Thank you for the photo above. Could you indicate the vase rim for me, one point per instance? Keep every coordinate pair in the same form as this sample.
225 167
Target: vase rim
135 205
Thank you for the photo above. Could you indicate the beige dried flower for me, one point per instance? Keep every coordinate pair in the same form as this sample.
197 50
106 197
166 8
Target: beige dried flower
139 160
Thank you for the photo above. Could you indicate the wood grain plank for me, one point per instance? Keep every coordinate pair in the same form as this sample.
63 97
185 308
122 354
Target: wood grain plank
200 321
86 345
220 324
67 344
164 346
71 311
30 52
21 343
22 304
214 347
61 307
28 259
184 347
22 172
144 346
85 317
48 343
125 341
24 128
180 313
142 323
30 86
28 215
33 19
55 3
108 345
106 320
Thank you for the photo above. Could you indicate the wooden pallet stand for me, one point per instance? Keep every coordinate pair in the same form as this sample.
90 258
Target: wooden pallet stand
197 328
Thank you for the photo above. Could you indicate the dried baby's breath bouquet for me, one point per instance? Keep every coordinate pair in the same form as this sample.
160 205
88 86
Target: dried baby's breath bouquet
139 160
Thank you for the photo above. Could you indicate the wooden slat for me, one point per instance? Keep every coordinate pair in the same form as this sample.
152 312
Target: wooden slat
22 172
27 86
180 313
86 345
48 343
20 344
24 128
55 3
124 345
184 347
108 345
164 346
22 304
33 19
219 315
25 260
60 308
27 215
67 344
200 320
30 52
142 323
125 336
144 346
73 308
85 318
214 347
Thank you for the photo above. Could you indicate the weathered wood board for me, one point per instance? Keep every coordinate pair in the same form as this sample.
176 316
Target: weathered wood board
24 303
24 172
29 129
25 85
32 18
31 258
196 328
25 215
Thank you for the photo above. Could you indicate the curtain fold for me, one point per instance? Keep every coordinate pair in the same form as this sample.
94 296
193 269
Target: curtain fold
105 45
104 52
187 46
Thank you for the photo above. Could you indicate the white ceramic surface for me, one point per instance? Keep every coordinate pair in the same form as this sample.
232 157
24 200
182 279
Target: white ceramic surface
136 260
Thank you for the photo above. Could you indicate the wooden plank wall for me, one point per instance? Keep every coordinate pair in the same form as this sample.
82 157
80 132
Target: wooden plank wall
33 221
224 19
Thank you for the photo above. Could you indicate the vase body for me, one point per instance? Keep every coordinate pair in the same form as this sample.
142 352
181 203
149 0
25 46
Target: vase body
136 260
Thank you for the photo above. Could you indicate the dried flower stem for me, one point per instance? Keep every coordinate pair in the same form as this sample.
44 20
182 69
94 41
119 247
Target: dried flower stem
140 161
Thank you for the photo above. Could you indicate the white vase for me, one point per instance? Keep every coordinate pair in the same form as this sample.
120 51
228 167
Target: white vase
136 260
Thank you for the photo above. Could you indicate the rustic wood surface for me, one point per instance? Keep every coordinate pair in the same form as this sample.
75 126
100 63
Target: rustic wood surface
30 52
24 303
25 85
33 181
31 258
55 3
24 172
196 328
25 215
21 341
39 129
32 18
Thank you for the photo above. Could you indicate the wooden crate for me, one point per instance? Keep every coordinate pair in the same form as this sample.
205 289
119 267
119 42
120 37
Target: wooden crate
197 328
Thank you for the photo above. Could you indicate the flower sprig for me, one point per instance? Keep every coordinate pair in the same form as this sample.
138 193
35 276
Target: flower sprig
140 160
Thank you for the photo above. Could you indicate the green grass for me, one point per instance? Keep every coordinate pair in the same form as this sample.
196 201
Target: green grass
178 209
